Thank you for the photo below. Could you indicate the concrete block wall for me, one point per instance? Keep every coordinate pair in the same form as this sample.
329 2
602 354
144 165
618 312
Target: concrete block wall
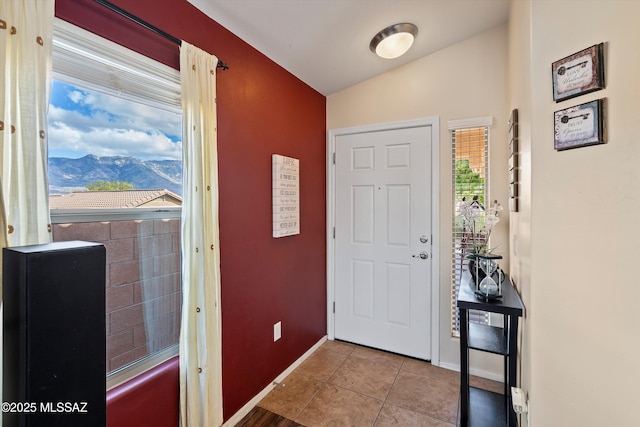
142 286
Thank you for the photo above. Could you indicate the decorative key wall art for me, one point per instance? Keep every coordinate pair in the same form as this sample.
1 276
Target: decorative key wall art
577 74
580 125
286 195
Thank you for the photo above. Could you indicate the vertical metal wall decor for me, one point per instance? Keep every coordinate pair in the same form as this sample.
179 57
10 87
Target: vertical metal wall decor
514 164
286 195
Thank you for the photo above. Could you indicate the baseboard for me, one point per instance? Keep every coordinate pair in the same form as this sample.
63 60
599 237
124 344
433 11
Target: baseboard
235 419
478 373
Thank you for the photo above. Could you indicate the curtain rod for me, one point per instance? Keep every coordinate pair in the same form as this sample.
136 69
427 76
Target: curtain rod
148 26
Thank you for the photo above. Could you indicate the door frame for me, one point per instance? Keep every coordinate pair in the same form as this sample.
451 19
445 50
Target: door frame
434 123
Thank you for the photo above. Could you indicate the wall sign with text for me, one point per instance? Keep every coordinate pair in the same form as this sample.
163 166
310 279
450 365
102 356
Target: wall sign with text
580 125
580 73
286 195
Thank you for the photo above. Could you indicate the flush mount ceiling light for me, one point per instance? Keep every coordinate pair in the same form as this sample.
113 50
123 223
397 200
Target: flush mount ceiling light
394 40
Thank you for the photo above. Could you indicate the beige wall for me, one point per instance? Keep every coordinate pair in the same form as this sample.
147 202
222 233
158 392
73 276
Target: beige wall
576 237
466 80
520 222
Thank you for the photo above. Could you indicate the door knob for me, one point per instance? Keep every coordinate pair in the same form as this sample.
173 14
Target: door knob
421 255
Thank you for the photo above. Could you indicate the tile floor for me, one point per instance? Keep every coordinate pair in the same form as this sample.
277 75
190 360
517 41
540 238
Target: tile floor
342 384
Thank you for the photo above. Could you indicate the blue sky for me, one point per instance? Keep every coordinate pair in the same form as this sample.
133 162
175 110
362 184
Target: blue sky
85 122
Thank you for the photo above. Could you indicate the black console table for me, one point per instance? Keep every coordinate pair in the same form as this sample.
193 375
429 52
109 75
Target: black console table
480 408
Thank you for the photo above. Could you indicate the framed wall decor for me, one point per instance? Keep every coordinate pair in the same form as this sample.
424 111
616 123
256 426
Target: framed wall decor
580 73
285 174
580 125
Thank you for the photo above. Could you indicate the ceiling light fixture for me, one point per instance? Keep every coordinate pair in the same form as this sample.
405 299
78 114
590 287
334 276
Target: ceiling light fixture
394 40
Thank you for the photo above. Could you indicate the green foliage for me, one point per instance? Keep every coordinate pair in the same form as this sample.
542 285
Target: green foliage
109 186
468 183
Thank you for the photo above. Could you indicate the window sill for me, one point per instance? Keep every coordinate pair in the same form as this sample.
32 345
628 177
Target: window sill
63 216
141 366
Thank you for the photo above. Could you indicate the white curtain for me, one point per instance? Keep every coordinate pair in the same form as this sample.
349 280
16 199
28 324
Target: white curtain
200 335
26 31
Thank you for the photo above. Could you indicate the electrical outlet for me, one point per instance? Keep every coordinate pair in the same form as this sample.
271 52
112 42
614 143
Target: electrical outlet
519 400
277 331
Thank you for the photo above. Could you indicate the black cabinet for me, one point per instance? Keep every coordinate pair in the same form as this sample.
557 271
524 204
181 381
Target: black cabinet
54 354
481 408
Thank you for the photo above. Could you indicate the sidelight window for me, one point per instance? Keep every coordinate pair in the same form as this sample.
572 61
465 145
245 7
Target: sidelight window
470 172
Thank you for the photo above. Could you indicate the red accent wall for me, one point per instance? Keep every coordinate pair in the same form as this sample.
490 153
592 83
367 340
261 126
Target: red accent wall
262 110
148 400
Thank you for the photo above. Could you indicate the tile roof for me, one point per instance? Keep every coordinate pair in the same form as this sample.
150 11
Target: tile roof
111 199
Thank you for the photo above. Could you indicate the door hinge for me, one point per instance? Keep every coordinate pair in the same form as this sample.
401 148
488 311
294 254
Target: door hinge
334 232
333 158
334 307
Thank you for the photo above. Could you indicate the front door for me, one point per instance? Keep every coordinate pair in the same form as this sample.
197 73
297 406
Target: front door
383 239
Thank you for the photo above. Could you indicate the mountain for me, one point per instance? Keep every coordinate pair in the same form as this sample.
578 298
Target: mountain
66 175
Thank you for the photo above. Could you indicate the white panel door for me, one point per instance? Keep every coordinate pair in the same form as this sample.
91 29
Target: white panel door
383 248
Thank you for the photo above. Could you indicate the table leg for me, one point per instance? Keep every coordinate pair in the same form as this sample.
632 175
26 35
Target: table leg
464 368
513 357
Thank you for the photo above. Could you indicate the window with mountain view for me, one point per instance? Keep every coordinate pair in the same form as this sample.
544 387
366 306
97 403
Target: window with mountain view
115 177
100 142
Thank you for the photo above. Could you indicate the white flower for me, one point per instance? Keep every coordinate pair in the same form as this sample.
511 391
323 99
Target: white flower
490 220
468 210
495 207
477 223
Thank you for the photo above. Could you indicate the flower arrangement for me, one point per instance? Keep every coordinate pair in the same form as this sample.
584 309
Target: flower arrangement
477 224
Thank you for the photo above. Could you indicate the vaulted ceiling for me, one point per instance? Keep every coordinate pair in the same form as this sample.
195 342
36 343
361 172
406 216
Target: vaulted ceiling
325 43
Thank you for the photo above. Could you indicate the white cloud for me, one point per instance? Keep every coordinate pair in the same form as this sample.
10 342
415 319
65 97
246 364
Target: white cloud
76 96
105 125
111 142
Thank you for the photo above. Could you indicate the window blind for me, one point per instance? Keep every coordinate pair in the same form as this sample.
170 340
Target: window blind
470 172
84 59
